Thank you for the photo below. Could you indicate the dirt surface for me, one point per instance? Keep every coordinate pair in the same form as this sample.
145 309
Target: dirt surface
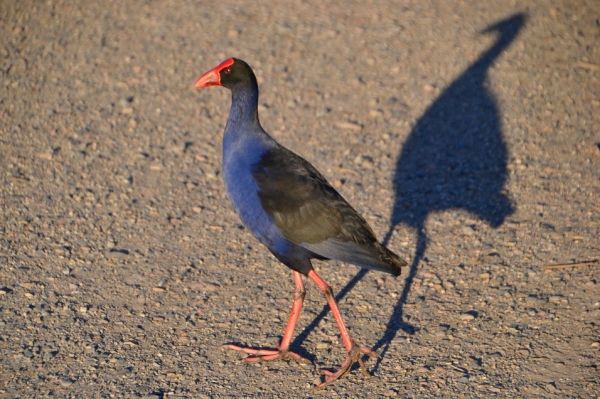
466 132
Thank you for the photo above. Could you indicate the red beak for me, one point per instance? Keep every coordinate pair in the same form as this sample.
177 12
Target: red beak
213 77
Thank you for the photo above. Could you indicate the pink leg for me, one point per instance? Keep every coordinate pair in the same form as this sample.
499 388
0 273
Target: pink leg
354 351
283 349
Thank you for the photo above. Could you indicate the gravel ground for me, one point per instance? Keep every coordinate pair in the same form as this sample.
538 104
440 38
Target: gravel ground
474 153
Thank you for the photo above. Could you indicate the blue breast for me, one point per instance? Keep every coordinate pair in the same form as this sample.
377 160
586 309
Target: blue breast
240 153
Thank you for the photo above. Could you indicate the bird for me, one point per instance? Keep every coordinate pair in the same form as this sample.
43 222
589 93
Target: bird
292 210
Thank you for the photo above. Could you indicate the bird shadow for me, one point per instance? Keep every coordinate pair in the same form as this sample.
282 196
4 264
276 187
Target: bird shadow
454 158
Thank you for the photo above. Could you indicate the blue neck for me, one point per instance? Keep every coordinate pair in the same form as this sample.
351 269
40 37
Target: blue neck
244 108
243 131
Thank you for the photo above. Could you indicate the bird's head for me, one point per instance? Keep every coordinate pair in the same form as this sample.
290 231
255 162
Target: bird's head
229 73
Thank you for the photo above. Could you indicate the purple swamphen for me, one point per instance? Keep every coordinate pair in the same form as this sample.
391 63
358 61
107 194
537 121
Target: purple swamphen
291 209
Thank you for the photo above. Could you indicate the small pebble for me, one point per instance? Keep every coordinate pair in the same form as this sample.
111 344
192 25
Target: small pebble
523 352
550 387
555 298
531 298
375 113
348 126
468 230
66 383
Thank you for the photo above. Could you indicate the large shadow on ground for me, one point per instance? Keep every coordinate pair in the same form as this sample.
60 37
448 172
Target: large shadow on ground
454 158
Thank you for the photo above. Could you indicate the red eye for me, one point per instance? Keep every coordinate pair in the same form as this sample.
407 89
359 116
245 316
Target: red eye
228 71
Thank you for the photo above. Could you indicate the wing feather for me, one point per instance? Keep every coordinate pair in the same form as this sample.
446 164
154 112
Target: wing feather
311 213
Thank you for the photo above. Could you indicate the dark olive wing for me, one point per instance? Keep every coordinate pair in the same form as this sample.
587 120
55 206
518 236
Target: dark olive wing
311 213
302 203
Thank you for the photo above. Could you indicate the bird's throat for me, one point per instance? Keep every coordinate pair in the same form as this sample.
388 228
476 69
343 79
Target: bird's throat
244 108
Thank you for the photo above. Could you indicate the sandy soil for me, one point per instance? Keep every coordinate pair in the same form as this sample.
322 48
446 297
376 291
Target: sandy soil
466 132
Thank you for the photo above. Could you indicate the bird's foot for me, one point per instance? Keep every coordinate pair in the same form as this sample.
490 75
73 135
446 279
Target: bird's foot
266 355
354 355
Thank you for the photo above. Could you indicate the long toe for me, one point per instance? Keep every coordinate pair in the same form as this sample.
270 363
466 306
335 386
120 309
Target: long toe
354 356
266 355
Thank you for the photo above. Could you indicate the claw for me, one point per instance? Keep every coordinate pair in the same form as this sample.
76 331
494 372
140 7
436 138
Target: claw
354 356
